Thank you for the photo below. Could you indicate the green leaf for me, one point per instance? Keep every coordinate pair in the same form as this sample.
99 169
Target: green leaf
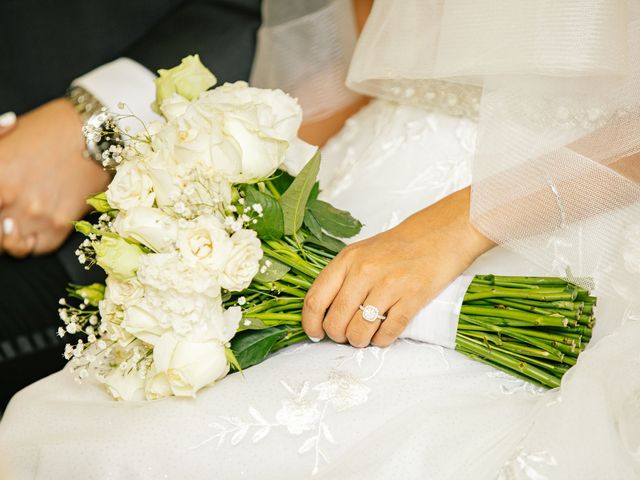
281 181
327 242
274 271
252 346
294 200
315 191
312 224
99 203
233 361
271 224
249 323
334 221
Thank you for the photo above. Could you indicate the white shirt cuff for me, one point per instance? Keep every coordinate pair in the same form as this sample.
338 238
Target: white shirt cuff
437 323
123 81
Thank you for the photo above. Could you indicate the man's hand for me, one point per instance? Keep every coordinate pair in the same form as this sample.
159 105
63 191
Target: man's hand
44 179
398 271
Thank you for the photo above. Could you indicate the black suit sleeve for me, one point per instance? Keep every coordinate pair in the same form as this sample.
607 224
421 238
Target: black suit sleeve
222 32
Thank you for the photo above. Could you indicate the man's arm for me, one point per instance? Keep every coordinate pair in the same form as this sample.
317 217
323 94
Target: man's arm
44 176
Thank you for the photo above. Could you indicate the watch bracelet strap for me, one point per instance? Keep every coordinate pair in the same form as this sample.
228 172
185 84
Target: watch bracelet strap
84 102
89 107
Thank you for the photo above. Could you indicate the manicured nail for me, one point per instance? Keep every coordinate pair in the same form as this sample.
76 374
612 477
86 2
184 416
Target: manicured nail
7 119
314 339
8 224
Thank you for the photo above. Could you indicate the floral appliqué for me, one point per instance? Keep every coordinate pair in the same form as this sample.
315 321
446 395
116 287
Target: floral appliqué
304 411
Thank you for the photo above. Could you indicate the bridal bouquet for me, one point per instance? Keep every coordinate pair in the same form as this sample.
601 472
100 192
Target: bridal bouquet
198 223
210 246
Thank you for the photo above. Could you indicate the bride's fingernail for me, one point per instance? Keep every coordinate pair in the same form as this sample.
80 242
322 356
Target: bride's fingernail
314 339
7 119
8 224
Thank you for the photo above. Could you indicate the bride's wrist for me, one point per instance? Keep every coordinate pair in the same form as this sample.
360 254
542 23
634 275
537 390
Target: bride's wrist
451 218
477 243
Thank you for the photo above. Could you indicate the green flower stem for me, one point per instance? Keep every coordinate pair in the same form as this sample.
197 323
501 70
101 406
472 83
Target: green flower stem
532 318
277 316
520 348
531 332
290 339
530 308
288 308
274 191
281 252
508 361
557 305
523 352
512 293
498 366
525 280
276 302
297 281
280 288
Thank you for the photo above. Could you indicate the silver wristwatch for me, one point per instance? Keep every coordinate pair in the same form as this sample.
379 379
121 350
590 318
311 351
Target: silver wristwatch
94 119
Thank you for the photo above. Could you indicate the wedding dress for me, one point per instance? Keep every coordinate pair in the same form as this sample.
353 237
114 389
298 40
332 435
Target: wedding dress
410 411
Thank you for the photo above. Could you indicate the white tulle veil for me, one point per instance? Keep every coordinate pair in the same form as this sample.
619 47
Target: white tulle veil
555 88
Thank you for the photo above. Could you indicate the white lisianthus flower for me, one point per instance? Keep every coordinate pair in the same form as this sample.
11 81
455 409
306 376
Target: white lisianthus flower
118 257
205 240
244 262
124 385
150 226
189 79
189 366
131 187
123 292
156 385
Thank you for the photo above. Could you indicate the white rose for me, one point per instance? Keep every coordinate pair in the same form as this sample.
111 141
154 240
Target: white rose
244 262
256 128
278 114
127 385
143 323
130 187
156 385
298 154
189 366
150 226
122 292
205 240
174 106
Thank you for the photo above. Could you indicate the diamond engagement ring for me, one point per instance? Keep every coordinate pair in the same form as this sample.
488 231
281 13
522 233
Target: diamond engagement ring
371 313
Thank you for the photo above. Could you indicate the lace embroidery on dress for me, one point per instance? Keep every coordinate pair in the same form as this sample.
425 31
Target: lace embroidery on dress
455 99
304 410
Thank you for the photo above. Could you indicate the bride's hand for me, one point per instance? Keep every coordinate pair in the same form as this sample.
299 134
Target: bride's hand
398 271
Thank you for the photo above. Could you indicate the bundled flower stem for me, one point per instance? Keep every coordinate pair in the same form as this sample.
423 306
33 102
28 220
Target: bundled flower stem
531 327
